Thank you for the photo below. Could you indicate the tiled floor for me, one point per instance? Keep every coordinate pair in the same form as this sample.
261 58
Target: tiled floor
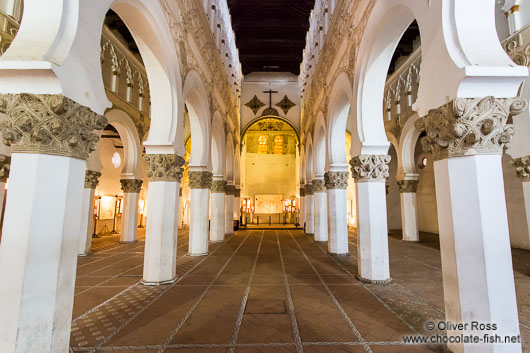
263 291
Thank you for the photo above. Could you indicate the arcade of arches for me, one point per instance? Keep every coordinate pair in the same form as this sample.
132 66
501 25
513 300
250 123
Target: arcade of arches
264 176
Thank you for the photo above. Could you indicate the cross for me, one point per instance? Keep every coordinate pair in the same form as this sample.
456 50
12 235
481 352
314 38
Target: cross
270 92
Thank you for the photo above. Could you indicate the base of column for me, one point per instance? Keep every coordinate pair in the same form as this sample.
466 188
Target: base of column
312 234
374 281
85 255
339 255
411 240
196 255
229 234
216 241
321 241
128 241
161 283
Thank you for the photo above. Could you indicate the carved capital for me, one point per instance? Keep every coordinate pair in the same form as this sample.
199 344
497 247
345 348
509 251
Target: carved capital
407 186
302 192
308 190
164 167
91 179
336 180
218 186
237 192
5 165
131 186
200 180
230 189
49 124
319 185
469 126
522 167
370 167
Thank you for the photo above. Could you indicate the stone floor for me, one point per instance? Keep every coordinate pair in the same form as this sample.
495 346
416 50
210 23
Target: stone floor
263 291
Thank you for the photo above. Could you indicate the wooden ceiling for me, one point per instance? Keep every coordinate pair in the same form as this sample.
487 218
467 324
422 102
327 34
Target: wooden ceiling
270 34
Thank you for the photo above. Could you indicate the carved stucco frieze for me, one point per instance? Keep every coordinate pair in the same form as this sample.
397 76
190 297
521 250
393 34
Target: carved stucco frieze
164 167
370 167
218 186
237 192
302 192
5 165
308 190
469 126
91 179
200 180
522 167
49 124
230 189
407 186
131 186
319 185
336 180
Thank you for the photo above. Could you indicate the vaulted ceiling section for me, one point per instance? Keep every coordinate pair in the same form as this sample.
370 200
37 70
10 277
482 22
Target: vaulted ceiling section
270 34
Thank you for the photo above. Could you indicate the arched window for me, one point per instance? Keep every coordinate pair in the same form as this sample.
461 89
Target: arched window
262 144
278 145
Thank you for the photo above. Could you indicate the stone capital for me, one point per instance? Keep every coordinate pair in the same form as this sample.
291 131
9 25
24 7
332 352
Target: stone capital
308 190
230 189
131 186
164 167
336 180
5 165
370 167
469 126
302 192
407 186
237 192
319 185
91 179
49 124
522 167
200 179
217 186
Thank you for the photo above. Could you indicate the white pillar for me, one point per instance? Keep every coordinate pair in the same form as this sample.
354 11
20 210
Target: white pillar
474 237
320 200
409 209
200 182
87 213
229 210
309 209
336 185
217 211
180 210
38 255
237 204
165 173
131 195
369 172
301 208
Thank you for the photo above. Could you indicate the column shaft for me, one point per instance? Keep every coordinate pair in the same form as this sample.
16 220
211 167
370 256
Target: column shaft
129 225
198 242
217 217
309 214
229 214
87 222
409 216
338 221
321 216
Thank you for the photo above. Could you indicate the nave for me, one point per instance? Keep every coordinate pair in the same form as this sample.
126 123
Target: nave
264 291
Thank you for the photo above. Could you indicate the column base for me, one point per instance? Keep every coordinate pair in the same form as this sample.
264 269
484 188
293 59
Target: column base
229 234
216 241
339 255
196 255
383 282
129 242
321 242
85 255
312 234
155 283
411 240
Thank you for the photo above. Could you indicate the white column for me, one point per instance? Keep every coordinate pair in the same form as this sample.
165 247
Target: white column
180 210
301 208
160 256
320 200
309 209
369 172
237 204
474 237
409 209
131 195
229 210
217 211
336 185
200 182
38 255
87 213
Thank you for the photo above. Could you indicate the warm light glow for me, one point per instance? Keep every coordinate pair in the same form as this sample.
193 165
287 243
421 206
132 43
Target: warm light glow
141 205
262 144
278 145
116 160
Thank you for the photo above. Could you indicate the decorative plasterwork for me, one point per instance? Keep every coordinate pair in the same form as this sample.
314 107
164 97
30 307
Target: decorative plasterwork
308 189
5 165
131 186
230 190
522 167
218 186
336 180
319 185
407 186
285 104
91 179
255 104
200 180
370 167
49 124
164 167
469 126
302 192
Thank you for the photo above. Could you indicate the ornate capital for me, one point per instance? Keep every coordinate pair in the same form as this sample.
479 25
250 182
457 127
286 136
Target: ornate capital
164 167
308 190
131 186
218 186
302 192
237 192
200 180
469 126
407 186
370 167
336 180
319 185
91 179
522 167
5 165
230 189
49 124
